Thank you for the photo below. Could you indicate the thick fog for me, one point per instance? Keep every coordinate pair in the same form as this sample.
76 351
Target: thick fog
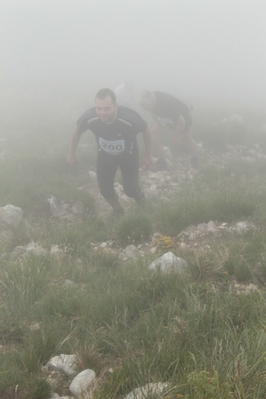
207 51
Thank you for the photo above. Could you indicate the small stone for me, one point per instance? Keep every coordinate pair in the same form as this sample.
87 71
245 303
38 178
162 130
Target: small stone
241 227
148 390
183 245
131 251
202 226
70 283
210 226
57 252
153 250
56 206
11 215
65 363
82 382
168 263
35 327
35 249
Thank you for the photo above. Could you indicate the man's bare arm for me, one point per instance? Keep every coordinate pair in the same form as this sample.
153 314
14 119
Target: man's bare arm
156 125
75 137
147 137
180 125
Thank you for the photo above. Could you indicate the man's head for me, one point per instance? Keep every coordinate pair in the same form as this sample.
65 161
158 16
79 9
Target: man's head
106 105
147 100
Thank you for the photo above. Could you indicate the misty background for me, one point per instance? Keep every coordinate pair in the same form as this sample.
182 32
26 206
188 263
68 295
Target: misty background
56 54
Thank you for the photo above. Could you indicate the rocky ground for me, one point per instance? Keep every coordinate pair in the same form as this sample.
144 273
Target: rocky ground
166 184
162 185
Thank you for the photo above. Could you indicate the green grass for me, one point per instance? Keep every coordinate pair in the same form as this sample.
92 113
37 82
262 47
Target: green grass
197 330
135 227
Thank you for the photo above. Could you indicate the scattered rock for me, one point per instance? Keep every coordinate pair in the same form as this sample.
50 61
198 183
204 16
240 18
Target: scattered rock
11 215
57 252
70 284
147 390
242 289
35 327
131 251
153 250
82 382
169 263
210 226
56 207
64 363
35 249
241 227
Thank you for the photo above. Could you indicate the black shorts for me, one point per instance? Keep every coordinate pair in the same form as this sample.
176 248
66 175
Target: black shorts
107 166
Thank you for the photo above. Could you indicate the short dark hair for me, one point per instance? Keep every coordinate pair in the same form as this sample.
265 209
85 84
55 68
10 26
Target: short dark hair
103 93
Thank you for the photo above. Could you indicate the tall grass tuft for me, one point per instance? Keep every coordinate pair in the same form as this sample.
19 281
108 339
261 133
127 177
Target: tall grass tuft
135 227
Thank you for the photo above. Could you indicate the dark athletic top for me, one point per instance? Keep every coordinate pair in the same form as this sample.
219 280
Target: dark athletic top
168 109
117 137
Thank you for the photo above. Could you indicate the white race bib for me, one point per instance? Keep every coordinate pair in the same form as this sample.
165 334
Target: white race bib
112 147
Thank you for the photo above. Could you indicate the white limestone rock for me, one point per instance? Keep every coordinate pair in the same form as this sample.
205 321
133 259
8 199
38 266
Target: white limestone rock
82 382
155 389
211 226
169 263
131 251
35 249
56 206
241 227
11 215
64 363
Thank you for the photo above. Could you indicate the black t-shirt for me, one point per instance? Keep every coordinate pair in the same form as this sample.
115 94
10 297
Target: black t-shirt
115 138
168 108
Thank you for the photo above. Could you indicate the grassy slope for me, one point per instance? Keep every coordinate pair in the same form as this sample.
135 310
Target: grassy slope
193 331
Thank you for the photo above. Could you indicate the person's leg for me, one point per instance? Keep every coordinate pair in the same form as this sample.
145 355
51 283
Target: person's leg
185 137
188 141
106 170
129 166
157 149
192 147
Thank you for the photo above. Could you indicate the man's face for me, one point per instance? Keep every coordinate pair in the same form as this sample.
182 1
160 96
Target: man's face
106 109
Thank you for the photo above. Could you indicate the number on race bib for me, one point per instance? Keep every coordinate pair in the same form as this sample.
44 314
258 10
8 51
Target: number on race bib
112 147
